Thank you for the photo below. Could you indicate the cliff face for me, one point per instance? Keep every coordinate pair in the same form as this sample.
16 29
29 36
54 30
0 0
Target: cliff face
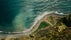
59 31
67 20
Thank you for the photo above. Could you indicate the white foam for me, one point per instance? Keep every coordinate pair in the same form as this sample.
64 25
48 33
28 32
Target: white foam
39 17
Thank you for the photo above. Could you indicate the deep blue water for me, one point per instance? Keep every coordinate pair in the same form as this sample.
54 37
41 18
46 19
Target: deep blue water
16 15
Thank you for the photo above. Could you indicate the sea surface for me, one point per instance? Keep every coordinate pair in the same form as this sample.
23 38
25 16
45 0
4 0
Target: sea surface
18 15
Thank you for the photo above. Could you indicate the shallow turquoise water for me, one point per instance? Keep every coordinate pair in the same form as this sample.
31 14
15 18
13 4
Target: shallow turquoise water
17 15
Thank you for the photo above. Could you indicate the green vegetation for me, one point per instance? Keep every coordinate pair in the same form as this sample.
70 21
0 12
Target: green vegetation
43 24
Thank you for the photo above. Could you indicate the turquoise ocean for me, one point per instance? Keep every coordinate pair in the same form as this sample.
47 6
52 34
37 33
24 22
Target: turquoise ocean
18 15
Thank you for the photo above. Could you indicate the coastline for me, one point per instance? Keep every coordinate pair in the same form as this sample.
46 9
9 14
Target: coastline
36 23
38 20
34 27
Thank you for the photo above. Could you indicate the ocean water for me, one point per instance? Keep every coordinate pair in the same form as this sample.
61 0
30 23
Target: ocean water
18 15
